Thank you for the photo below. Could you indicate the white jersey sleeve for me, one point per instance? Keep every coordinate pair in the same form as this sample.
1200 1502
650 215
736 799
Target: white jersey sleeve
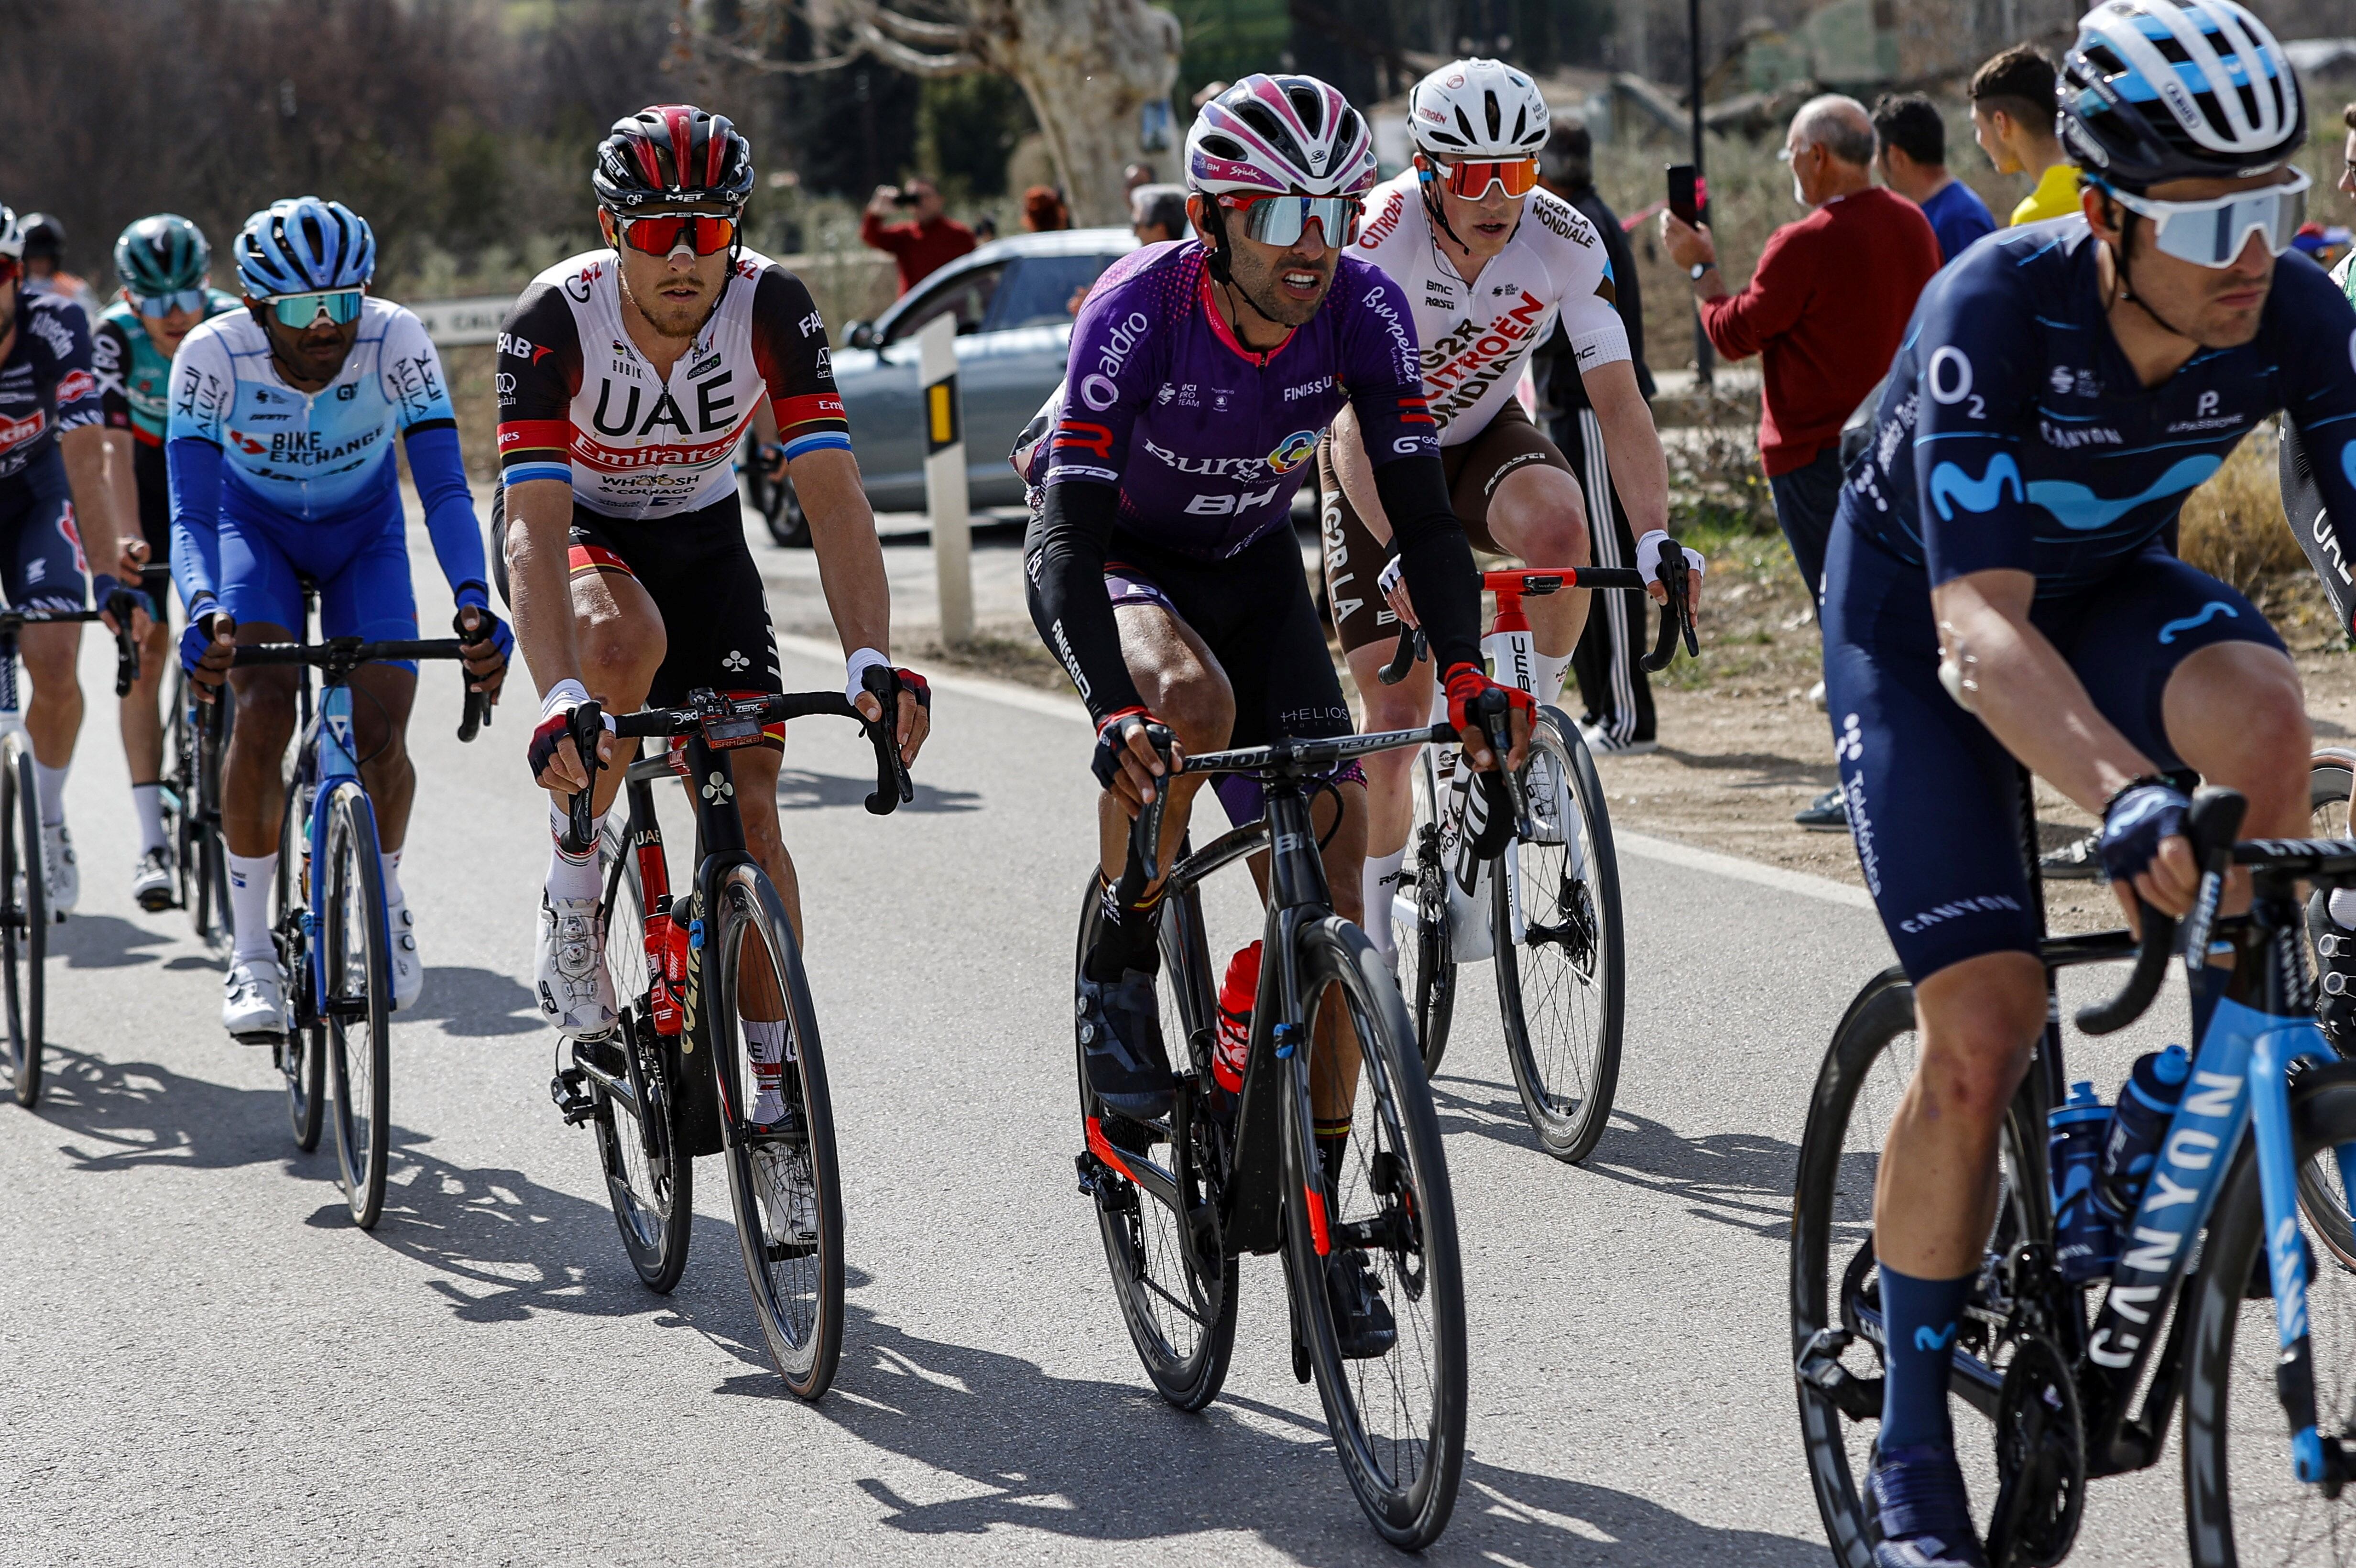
413 383
204 387
1573 253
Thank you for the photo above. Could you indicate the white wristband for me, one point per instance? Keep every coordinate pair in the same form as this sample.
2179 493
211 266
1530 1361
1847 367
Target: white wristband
859 664
563 694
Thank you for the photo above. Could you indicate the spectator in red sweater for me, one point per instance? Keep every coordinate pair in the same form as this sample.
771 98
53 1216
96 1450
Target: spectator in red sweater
921 247
1825 310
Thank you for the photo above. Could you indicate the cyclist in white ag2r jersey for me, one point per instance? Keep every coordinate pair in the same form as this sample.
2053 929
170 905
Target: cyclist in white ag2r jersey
1490 262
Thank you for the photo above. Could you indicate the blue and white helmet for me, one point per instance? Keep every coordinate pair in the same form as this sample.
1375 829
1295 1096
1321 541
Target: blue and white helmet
302 245
2169 89
12 235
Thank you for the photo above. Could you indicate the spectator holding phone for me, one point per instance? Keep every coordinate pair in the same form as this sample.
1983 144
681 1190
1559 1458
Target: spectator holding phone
2012 120
921 247
1911 155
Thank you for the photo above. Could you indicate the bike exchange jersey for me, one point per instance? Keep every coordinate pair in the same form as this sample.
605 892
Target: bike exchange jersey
1207 439
579 402
1477 336
2014 432
48 383
134 377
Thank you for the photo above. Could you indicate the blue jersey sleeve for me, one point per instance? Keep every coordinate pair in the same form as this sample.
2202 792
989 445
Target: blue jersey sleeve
202 392
1974 393
2318 362
414 384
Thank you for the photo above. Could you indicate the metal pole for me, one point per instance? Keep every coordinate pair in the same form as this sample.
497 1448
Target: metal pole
1704 356
944 476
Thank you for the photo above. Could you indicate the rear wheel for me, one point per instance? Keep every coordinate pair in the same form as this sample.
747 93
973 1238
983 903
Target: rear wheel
1560 956
302 1052
360 995
209 907
784 1183
1426 964
648 1182
23 918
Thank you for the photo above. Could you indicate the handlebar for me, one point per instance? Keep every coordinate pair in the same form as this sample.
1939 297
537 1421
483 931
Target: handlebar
1676 614
726 723
118 602
338 656
2213 825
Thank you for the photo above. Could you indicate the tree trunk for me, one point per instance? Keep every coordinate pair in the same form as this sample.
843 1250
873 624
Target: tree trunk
1088 66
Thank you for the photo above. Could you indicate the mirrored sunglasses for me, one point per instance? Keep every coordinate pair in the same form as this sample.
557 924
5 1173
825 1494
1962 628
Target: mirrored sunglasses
1283 220
2212 233
1472 179
662 233
301 312
156 307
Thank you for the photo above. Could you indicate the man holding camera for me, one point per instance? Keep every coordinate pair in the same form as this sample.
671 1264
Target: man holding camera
921 247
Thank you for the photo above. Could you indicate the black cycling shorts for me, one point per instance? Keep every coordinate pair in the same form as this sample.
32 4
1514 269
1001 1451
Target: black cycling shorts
700 573
147 468
41 562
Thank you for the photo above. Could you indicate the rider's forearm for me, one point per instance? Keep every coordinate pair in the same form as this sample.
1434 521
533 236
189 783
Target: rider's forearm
88 452
1357 477
440 475
540 578
1640 473
1435 559
2019 686
850 556
1067 597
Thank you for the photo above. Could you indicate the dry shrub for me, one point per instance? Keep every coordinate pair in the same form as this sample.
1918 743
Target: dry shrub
2233 525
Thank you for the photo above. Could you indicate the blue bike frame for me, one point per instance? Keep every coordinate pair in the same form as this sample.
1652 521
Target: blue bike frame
327 759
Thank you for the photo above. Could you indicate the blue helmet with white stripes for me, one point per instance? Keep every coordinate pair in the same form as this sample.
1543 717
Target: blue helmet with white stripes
2169 89
302 245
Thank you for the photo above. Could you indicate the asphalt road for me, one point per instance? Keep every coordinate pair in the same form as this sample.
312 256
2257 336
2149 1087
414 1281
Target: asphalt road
207 1363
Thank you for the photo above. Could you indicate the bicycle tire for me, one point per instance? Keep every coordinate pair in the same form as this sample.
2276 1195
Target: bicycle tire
359 993
1180 1318
1403 1465
178 794
211 910
1568 1067
1834 1189
24 921
801 1317
649 1184
1427 973
302 1055
2220 1389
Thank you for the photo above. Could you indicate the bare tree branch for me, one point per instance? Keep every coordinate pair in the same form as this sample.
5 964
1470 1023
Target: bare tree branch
911 30
744 55
915 62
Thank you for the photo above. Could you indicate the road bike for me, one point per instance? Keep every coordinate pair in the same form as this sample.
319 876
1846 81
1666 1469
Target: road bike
196 740
25 913
1546 907
1179 1200
689 973
328 914
2081 1382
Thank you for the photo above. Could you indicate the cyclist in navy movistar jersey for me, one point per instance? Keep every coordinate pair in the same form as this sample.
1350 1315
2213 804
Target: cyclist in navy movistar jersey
1161 565
280 442
1995 587
162 262
54 461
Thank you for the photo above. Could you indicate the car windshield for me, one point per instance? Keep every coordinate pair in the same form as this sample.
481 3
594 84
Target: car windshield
968 294
1044 290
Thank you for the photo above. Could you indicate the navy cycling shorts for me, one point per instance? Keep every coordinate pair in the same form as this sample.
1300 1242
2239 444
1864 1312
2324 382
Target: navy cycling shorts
41 562
360 562
1933 802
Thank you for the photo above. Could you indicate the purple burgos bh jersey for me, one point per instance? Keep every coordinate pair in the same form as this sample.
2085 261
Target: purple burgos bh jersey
1208 439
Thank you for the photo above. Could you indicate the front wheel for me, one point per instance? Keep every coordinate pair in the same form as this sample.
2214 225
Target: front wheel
1427 971
649 1182
1368 1199
302 1052
24 917
782 1174
1555 913
355 960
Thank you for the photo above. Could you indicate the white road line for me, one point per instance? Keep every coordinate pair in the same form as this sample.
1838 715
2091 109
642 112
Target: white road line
1804 883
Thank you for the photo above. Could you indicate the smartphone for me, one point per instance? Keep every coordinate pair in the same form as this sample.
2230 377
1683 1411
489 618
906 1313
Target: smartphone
1681 199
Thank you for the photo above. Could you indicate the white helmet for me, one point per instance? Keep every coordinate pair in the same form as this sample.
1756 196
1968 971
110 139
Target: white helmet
1477 109
1281 134
12 235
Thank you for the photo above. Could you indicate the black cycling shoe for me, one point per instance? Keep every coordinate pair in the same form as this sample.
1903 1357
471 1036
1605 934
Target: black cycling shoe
2335 965
1828 812
2078 862
1121 1045
1363 1324
1921 1516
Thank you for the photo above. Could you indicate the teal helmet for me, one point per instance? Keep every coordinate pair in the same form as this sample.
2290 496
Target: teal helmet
162 255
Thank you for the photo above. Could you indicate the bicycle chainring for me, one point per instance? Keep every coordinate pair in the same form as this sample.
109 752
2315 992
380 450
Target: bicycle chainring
2040 1457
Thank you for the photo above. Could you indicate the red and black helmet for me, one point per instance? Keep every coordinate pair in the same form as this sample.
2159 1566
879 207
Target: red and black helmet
672 152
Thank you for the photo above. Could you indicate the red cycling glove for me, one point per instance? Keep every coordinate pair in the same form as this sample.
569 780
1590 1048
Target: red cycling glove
1465 684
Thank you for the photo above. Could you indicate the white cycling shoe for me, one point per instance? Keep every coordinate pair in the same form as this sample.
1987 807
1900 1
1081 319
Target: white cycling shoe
253 1001
408 968
152 883
789 1196
575 992
64 876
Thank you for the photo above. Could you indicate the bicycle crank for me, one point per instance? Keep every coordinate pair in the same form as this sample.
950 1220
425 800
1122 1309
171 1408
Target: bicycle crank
2040 1454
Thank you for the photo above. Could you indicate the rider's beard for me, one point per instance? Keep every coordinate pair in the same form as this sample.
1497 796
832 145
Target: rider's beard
1256 282
668 319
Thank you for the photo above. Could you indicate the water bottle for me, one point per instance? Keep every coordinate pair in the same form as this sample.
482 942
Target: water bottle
2138 1123
1236 994
2085 1244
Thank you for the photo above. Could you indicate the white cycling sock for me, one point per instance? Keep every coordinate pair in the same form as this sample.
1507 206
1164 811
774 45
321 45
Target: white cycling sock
51 782
149 799
569 878
766 1043
1547 671
1379 889
2342 905
390 865
250 879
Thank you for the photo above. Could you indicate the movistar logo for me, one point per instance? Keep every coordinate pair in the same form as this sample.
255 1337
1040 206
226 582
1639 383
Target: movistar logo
2193 622
2079 509
1950 482
1928 1339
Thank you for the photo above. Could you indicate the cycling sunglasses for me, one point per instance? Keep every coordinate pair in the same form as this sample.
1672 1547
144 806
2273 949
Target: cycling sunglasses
2212 233
302 312
1472 179
1283 220
156 307
663 232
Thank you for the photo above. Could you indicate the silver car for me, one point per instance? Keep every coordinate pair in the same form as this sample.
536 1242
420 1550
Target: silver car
1014 301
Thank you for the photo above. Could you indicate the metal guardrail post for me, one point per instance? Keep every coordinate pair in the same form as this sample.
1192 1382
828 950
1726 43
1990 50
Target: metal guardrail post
945 502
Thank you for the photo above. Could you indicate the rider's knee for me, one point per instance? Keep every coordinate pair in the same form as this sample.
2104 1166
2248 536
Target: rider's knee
1545 518
617 650
265 710
2275 740
1977 1045
1201 713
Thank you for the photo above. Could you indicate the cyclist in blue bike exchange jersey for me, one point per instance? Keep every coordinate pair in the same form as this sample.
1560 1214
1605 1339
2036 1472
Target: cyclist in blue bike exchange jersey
56 466
1997 586
280 442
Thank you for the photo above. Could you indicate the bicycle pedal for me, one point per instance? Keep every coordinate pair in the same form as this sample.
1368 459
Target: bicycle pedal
1089 1167
1819 1366
572 1102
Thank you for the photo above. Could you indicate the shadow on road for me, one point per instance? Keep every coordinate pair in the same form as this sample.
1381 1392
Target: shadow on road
474 1002
103 942
799 790
135 1113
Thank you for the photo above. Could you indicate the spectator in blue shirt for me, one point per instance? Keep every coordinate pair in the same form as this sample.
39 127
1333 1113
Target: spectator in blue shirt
1911 153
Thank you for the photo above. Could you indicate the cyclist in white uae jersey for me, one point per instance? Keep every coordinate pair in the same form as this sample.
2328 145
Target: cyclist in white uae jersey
1489 262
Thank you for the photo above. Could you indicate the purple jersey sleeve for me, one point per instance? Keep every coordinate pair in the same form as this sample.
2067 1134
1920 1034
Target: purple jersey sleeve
1121 343
1382 367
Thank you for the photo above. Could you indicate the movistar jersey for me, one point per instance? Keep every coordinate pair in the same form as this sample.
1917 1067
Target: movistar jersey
2014 433
1208 439
47 384
134 377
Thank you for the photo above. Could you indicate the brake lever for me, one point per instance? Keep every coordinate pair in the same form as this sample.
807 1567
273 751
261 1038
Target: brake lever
478 709
120 604
1499 729
587 724
894 788
1145 832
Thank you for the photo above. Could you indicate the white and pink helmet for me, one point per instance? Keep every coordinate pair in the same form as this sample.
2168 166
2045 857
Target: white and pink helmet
1280 134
